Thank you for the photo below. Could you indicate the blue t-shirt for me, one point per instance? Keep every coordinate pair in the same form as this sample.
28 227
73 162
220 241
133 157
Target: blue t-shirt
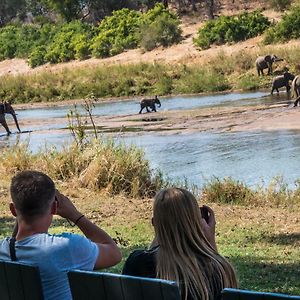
55 255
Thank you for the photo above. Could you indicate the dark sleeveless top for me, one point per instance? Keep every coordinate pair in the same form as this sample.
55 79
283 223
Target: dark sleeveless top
142 263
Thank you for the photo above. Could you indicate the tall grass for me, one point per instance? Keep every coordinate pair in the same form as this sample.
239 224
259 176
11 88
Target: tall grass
101 165
230 191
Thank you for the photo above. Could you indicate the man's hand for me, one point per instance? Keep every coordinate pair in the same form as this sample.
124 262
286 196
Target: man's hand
65 208
209 227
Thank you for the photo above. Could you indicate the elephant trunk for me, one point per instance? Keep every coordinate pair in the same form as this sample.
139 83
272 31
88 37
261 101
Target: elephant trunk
16 121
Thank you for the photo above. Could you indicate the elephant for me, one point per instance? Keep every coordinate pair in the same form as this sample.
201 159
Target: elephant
281 81
149 103
296 89
6 108
265 62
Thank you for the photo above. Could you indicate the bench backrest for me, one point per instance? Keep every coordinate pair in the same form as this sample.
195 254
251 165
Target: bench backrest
106 286
235 294
19 282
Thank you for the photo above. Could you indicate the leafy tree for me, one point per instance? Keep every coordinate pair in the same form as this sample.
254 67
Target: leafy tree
9 9
68 9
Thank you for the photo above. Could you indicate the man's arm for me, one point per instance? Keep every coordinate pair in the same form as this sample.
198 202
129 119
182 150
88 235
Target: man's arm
109 253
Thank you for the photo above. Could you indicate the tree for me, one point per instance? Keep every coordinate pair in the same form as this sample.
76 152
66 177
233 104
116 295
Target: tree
68 9
9 9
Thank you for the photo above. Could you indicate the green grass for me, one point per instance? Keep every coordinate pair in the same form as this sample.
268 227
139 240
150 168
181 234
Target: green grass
265 256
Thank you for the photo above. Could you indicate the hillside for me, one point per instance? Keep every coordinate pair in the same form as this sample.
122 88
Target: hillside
183 53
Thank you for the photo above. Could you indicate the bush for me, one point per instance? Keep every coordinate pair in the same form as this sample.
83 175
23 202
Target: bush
8 45
116 33
288 28
70 42
159 27
101 165
37 57
231 29
227 190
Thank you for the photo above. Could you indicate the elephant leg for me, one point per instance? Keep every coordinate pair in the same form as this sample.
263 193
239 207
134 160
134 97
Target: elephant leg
4 124
277 90
154 108
147 109
272 90
296 102
141 109
288 88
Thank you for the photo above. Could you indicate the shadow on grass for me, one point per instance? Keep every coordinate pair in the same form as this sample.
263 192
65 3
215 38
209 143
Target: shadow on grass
7 224
257 274
284 239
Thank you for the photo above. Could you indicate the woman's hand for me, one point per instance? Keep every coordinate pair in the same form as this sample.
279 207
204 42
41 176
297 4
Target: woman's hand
209 227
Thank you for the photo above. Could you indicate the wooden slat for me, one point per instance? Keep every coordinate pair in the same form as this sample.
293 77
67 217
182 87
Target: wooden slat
86 285
113 287
14 280
235 294
32 286
151 290
170 291
3 282
132 288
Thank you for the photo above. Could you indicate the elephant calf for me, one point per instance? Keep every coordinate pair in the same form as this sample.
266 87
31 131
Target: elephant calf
281 81
145 103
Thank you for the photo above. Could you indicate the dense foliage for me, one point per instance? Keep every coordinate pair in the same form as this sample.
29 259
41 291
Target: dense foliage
231 29
61 42
159 27
288 28
116 33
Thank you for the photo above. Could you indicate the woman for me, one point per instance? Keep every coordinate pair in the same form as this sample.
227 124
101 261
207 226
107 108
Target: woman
184 248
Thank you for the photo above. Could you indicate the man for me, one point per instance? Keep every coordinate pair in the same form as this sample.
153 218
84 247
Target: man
34 202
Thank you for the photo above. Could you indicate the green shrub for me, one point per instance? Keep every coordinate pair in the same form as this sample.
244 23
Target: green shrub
116 33
160 27
70 42
37 57
288 28
227 190
8 45
231 29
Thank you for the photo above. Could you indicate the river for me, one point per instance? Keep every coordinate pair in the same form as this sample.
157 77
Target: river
252 157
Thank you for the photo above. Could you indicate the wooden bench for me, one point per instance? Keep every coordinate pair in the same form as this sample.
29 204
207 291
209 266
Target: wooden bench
235 294
19 282
106 286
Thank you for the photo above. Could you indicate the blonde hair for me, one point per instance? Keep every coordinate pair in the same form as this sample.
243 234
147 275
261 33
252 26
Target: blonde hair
184 253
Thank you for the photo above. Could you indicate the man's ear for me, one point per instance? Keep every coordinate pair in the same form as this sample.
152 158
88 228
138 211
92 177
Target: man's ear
12 209
54 208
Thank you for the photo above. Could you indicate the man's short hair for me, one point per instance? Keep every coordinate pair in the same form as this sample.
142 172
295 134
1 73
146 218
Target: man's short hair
32 193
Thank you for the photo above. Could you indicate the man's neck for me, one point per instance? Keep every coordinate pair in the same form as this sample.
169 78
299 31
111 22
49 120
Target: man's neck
25 230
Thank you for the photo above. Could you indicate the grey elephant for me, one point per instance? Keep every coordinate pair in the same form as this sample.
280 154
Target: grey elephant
6 108
296 89
282 81
265 62
149 103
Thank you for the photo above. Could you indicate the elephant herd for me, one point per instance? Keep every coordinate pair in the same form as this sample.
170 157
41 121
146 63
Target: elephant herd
266 62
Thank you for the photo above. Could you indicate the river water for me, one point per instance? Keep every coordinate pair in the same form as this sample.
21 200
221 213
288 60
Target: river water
252 157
